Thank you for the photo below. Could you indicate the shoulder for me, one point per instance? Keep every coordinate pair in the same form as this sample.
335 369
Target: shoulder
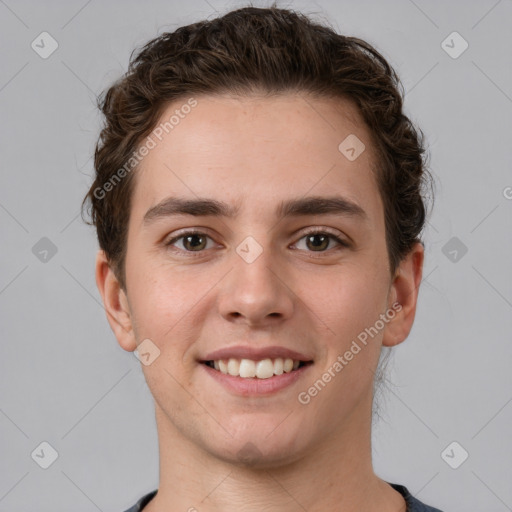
139 506
413 504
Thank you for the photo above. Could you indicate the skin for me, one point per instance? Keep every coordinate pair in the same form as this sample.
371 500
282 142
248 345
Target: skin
255 152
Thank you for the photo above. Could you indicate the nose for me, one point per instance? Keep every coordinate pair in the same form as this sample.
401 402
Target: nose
258 293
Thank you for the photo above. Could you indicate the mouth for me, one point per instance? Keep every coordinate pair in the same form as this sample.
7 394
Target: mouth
251 371
256 369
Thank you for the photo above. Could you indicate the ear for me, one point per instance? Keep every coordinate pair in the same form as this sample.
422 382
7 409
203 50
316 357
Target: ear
115 302
404 291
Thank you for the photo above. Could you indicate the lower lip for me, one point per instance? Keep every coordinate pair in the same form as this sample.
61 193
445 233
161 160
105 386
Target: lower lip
254 386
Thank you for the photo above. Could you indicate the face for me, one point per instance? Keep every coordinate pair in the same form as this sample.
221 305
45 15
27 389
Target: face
290 261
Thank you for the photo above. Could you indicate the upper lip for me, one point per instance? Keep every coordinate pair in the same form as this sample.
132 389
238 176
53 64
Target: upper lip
256 354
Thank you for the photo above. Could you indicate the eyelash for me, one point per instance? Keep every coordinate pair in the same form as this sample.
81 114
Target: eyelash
316 231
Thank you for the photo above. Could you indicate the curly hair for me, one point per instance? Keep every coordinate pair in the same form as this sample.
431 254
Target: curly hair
258 49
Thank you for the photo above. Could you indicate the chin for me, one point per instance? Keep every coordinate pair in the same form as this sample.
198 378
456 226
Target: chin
259 451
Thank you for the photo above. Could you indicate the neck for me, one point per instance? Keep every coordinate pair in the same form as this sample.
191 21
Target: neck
336 473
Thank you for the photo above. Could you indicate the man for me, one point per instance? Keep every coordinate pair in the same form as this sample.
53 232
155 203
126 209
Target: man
258 202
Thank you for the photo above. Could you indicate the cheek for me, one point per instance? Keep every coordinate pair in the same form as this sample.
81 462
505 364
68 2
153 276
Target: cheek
169 305
347 301
160 293
350 306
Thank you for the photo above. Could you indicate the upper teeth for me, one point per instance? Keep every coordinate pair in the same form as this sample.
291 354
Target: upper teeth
248 368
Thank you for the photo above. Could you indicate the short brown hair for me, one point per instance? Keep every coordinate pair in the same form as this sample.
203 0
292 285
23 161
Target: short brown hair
258 49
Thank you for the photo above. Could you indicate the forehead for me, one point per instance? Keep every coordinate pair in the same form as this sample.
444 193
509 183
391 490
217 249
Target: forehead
257 151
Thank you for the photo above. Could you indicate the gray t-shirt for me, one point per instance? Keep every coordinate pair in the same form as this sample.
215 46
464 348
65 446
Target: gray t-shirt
413 505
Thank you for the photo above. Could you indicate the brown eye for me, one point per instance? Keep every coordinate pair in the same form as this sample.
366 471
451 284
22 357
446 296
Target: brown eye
318 241
192 241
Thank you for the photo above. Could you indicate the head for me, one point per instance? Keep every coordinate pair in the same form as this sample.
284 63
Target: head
256 109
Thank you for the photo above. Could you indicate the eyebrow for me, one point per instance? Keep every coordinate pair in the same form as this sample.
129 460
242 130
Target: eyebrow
313 205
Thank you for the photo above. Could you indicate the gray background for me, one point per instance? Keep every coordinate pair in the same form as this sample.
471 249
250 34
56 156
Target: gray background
65 380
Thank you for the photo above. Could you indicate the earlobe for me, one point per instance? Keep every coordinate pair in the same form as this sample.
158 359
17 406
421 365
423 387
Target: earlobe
115 303
404 291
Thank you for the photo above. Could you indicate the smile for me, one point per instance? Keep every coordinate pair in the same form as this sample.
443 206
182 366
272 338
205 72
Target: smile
250 378
250 369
